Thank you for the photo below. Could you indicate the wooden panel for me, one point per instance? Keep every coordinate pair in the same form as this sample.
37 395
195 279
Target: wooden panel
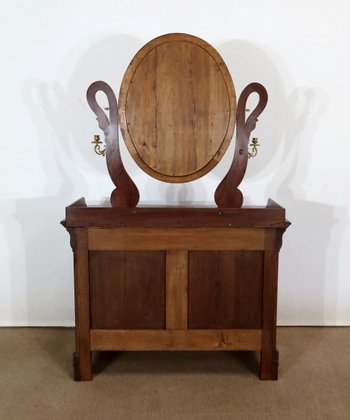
177 107
82 356
180 239
176 340
184 217
225 289
127 289
176 290
269 354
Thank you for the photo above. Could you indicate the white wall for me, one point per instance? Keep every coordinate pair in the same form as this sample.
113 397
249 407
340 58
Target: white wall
52 50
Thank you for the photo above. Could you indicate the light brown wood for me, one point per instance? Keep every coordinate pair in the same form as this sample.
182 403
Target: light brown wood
176 290
177 239
177 108
176 340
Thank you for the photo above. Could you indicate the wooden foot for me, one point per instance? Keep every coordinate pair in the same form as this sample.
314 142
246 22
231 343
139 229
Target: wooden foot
82 365
269 365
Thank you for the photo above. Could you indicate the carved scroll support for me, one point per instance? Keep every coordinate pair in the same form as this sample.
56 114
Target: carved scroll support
227 193
126 193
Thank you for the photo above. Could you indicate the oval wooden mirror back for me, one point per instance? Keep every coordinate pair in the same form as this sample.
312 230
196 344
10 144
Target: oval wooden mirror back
177 108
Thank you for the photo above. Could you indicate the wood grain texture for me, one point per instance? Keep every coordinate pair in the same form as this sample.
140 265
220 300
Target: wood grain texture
175 217
176 290
225 289
177 108
176 340
176 239
227 193
176 278
82 357
269 353
126 193
127 289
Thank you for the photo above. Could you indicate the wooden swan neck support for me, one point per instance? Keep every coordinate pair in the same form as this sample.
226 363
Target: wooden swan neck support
177 113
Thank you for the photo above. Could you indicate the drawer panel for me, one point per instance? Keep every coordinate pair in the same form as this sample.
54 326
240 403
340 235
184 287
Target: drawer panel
225 289
127 289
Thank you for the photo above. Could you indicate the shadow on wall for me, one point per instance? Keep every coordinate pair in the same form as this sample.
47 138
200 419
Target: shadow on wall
61 117
312 245
249 63
64 126
105 59
288 124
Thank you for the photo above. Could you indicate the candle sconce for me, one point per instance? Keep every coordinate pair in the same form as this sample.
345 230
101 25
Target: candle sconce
254 144
102 152
97 142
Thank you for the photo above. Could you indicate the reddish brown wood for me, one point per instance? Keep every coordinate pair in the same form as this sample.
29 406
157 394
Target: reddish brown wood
227 193
126 194
82 355
127 289
269 353
181 217
165 278
225 289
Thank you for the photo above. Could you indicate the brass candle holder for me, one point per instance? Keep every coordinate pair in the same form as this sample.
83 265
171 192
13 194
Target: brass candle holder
97 142
254 144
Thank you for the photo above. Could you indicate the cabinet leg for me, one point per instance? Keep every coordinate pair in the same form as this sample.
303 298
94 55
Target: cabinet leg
269 365
82 365
269 354
82 357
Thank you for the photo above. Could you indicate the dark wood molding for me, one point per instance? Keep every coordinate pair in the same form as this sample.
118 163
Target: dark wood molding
73 239
178 217
271 204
